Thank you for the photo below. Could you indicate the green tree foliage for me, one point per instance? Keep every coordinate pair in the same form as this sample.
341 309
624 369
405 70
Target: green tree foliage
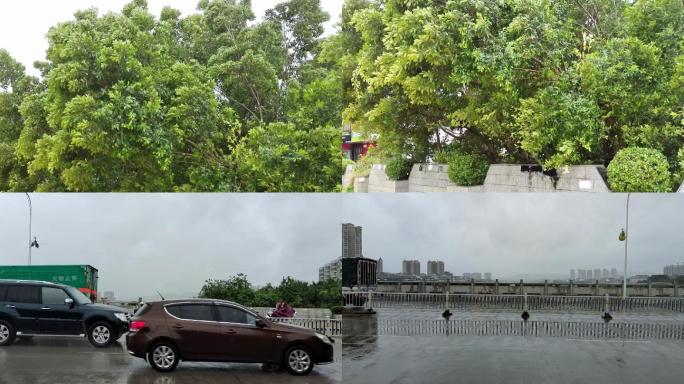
559 128
15 89
132 102
299 294
302 23
557 82
639 170
283 157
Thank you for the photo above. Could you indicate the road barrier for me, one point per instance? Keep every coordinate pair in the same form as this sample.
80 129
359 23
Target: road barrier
561 329
512 302
330 327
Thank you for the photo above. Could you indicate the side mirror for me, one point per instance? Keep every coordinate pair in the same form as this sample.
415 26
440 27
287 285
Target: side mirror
260 323
69 302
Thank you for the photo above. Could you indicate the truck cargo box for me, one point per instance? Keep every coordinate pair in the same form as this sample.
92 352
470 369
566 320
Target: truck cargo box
83 277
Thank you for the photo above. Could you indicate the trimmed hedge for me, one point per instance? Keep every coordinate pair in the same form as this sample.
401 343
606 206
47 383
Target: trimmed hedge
398 169
639 170
468 170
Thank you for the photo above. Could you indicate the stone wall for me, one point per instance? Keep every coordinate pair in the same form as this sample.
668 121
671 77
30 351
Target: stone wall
435 178
500 178
361 184
348 178
510 178
379 182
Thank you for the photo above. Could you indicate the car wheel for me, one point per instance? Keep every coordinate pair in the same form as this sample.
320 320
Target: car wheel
101 334
163 357
7 333
298 361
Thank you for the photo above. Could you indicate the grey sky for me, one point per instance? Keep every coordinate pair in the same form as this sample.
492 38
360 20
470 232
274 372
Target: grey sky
174 242
24 24
513 234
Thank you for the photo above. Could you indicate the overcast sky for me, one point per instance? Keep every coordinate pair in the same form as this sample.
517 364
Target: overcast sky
25 23
513 234
174 242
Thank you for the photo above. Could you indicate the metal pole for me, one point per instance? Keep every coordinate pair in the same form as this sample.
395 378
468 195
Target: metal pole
624 277
30 214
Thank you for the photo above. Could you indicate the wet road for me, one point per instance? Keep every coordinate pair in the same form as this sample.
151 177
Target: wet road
372 352
509 360
56 360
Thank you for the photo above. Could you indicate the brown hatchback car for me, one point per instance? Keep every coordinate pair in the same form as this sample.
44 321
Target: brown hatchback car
166 332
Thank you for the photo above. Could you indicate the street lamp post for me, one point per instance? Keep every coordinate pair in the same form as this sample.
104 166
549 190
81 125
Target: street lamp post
29 238
624 236
33 243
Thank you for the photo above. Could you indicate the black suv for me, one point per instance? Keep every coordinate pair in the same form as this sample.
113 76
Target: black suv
30 308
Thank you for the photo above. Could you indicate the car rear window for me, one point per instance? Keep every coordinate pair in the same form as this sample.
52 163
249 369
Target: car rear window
23 294
192 311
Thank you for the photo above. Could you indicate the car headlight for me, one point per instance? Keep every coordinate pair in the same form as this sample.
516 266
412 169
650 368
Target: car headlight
323 338
122 317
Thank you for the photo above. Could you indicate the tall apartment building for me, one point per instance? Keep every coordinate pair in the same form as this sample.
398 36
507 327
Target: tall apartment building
351 240
331 271
473 275
590 276
613 273
410 267
488 276
581 274
674 270
379 265
435 267
597 273
572 274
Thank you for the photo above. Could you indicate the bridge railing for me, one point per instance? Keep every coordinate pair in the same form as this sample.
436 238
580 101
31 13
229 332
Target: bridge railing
330 327
560 329
512 302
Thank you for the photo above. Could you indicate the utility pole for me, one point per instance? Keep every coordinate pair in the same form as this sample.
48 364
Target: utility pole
29 237
626 239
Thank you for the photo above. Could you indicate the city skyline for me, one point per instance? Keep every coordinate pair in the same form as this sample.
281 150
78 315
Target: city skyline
514 236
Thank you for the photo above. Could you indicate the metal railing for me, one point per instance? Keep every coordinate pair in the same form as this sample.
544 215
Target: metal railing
512 302
330 327
561 329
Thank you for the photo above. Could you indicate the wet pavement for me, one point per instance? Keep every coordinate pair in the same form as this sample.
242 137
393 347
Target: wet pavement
376 353
69 360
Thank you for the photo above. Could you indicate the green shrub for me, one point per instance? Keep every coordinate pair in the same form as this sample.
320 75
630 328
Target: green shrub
398 168
467 169
679 174
364 164
443 155
639 170
336 310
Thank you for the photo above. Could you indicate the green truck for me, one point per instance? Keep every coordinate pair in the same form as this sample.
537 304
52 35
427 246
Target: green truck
82 277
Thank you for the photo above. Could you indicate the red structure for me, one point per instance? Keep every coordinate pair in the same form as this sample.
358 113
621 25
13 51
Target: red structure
357 149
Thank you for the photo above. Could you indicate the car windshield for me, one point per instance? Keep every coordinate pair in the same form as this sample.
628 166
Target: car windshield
78 296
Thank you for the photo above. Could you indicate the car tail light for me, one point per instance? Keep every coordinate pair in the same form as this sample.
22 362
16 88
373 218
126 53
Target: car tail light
136 325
